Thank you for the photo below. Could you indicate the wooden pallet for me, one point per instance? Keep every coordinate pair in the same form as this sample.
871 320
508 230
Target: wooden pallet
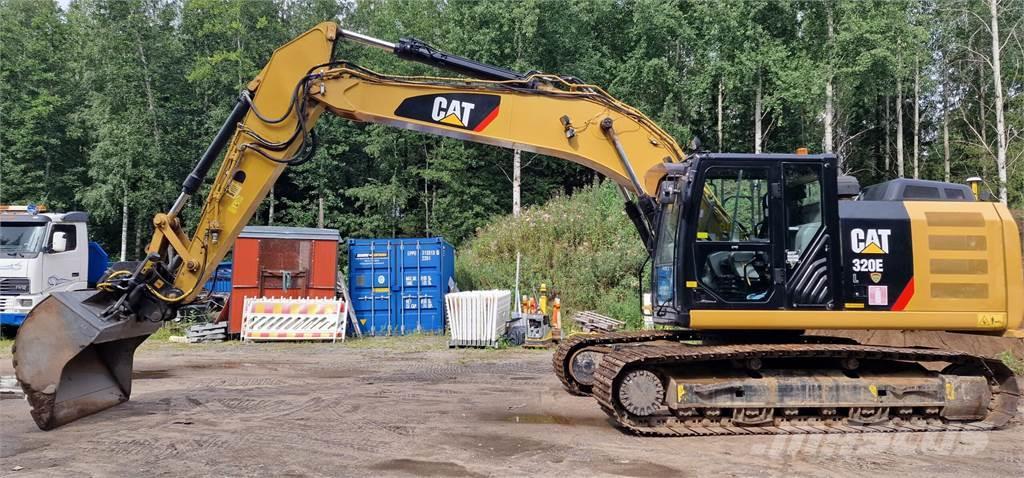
350 307
591 321
208 332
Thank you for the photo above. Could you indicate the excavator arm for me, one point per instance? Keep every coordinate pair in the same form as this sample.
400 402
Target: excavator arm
540 113
73 355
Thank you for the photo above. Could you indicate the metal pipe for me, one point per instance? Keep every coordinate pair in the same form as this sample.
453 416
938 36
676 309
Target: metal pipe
178 205
609 131
368 40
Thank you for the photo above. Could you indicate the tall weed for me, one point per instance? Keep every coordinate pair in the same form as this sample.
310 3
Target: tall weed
583 246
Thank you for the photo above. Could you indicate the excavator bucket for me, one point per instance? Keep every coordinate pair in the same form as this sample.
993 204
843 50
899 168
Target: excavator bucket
73 362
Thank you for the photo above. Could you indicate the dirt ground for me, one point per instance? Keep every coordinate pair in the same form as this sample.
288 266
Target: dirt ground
412 407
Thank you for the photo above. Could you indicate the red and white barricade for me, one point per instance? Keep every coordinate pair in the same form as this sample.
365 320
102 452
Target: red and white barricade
270 318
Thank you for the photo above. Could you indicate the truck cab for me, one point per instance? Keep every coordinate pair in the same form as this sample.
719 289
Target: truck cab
42 253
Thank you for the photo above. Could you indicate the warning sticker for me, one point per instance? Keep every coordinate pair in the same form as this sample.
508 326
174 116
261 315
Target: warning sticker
878 295
992 319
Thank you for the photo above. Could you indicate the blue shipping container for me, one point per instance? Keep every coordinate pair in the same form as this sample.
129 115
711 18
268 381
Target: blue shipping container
398 285
220 281
98 263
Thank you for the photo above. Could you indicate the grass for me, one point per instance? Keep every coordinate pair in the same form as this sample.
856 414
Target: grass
1015 363
165 332
5 347
583 247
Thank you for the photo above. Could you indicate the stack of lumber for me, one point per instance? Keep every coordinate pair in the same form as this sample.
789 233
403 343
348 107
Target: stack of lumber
208 333
591 321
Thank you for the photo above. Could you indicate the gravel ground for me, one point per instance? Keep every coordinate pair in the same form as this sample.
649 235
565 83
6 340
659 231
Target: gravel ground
412 407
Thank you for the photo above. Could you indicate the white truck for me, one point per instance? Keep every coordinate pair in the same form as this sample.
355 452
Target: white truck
42 253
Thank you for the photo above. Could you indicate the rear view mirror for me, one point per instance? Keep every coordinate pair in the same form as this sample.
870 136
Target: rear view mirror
59 242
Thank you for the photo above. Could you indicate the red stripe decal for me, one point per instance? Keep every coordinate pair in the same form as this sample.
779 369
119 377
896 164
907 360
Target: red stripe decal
905 296
483 124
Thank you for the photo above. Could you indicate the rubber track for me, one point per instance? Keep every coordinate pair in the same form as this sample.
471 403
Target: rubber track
568 347
1001 409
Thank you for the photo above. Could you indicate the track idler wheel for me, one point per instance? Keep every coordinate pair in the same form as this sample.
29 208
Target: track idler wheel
584 365
641 393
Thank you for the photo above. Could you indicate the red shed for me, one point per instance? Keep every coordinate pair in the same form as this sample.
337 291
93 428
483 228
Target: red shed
282 262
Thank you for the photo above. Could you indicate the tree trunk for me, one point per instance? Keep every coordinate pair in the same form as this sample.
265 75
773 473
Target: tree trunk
827 143
148 86
241 55
945 120
917 119
124 222
270 214
888 140
721 94
982 112
137 250
997 80
426 207
516 181
829 113
320 211
899 126
46 180
757 115
151 108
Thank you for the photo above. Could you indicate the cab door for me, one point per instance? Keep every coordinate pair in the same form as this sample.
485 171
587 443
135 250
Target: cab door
735 236
809 253
65 269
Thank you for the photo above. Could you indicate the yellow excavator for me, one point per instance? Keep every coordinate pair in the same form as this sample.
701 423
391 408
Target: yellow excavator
747 252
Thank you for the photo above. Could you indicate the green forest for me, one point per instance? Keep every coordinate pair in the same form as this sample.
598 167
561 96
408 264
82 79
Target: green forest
106 104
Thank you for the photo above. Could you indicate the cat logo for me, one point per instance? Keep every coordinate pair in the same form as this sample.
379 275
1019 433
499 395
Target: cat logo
870 241
876 277
454 112
460 110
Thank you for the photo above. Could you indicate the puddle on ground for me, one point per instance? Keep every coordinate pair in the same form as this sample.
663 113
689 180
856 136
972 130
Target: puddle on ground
639 469
549 419
502 444
424 468
15 447
168 372
150 374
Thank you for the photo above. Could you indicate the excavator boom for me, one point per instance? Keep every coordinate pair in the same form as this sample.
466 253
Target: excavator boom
73 355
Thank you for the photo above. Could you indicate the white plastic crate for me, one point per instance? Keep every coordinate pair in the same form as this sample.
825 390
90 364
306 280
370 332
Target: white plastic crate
477 318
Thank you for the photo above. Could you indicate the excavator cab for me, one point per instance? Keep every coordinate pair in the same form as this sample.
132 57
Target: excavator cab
741 231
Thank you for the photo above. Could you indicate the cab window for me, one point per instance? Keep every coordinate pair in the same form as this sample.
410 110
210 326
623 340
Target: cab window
665 254
69 233
733 236
802 206
734 207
